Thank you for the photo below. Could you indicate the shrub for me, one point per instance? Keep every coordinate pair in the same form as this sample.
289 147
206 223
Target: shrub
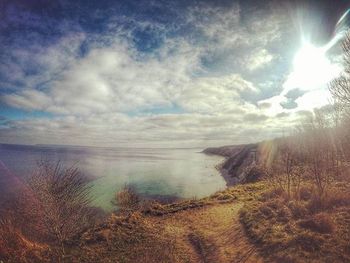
63 198
315 204
297 209
307 242
127 200
283 214
254 173
275 203
336 199
266 211
273 193
321 223
305 193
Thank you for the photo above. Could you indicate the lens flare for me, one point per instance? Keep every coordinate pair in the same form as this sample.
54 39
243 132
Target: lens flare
312 69
344 17
341 28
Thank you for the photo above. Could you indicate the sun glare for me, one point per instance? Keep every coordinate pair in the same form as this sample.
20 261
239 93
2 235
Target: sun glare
311 68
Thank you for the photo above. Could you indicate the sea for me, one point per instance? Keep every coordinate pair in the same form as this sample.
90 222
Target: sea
154 173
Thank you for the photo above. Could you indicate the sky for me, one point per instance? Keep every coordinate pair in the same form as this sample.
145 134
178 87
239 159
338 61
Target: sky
164 73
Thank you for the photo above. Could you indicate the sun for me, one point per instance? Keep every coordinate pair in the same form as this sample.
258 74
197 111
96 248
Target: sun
311 72
310 60
312 68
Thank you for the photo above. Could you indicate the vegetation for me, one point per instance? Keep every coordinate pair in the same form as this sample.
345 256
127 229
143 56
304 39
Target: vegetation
340 86
301 228
62 201
127 200
177 232
49 212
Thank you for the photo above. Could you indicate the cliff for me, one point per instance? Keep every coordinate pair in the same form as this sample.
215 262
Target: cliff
240 159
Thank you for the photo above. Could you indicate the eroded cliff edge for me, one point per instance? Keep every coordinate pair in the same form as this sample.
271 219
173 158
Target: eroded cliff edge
239 163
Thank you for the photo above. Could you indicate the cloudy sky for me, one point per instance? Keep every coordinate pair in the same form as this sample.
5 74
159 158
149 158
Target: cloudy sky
163 73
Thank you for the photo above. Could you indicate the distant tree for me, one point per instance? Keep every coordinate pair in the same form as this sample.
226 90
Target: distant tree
63 198
340 87
321 151
286 168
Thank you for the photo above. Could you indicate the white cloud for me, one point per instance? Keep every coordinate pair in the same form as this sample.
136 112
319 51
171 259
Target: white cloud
185 130
314 99
114 78
92 95
215 94
29 99
258 59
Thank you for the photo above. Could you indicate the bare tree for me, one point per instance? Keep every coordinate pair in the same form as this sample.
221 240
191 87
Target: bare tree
321 150
286 168
63 198
340 87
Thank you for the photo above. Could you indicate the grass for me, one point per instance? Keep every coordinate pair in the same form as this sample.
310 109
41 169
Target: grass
15 247
126 239
305 230
140 237
281 229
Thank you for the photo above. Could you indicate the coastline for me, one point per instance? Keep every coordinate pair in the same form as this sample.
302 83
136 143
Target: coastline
230 181
237 159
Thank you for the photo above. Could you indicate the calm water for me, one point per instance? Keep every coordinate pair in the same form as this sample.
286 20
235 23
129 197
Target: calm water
183 173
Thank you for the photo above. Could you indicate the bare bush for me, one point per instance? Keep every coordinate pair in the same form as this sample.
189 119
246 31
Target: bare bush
127 200
321 223
321 152
340 90
287 168
254 173
63 198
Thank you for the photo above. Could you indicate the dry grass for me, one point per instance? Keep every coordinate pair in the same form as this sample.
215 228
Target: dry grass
130 238
321 223
194 230
241 193
15 247
303 229
279 229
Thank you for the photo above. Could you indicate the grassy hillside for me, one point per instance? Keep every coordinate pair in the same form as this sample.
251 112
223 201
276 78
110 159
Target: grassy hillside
245 223
289 230
205 230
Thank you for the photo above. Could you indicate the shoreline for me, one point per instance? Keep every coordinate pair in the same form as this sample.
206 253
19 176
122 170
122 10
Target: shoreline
237 159
230 181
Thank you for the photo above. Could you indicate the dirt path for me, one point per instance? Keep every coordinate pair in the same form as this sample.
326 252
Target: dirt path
211 234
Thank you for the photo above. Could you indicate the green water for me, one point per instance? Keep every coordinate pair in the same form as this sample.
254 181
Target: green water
182 173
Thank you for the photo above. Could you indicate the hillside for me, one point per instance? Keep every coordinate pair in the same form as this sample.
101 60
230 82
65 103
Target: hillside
245 223
205 230
239 160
